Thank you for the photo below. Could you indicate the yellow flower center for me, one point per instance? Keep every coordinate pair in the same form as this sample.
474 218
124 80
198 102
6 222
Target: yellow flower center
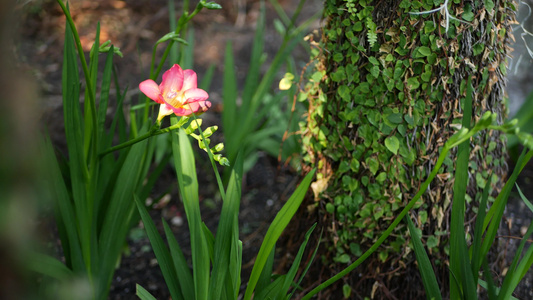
175 98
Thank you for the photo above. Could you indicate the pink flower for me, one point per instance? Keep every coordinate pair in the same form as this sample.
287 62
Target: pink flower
177 93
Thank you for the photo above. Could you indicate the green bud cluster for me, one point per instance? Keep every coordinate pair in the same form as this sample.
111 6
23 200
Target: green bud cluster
203 138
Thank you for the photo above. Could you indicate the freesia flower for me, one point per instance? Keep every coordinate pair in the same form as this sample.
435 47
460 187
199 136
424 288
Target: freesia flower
178 93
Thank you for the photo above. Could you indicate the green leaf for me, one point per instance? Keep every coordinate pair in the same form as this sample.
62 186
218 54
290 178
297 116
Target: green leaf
523 197
393 144
517 270
104 97
373 164
424 50
161 251
121 207
281 221
143 294
460 265
48 265
373 61
187 180
468 15
229 95
477 256
64 213
344 92
225 237
413 83
291 274
489 5
79 172
395 118
346 291
424 264
181 266
374 71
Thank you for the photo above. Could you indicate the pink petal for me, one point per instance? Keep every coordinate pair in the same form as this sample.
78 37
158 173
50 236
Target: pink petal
151 90
195 107
189 80
194 95
164 110
172 80
200 106
181 111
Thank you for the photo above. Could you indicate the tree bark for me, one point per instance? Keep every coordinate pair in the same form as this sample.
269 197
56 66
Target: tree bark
393 82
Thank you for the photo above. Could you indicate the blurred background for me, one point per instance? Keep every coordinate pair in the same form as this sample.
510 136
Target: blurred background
30 83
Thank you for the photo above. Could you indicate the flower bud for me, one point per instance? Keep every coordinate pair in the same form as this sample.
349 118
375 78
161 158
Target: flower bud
218 147
210 130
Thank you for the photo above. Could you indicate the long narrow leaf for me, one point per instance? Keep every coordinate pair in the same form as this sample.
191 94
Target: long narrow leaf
424 265
188 184
281 221
104 100
160 251
516 270
307 267
143 294
119 212
252 78
90 107
224 236
79 173
478 234
48 265
489 285
205 84
523 197
272 290
265 278
66 218
180 264
459 262
229 98
209 240
236 263
291 274
495 214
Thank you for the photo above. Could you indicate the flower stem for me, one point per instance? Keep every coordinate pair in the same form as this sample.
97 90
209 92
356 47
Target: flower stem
153 132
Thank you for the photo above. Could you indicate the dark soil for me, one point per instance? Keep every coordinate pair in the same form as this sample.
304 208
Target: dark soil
134 26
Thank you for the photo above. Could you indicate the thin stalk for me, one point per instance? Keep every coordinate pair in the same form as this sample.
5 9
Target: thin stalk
153 132
183 20
213 164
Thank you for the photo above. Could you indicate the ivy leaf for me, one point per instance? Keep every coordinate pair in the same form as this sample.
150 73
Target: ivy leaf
426 76
373 60
373 165
412 83
424 50
344 92
393 144
395 118
489 5
375 71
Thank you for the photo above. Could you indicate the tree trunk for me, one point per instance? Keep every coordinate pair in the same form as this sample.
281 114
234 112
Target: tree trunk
391 94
